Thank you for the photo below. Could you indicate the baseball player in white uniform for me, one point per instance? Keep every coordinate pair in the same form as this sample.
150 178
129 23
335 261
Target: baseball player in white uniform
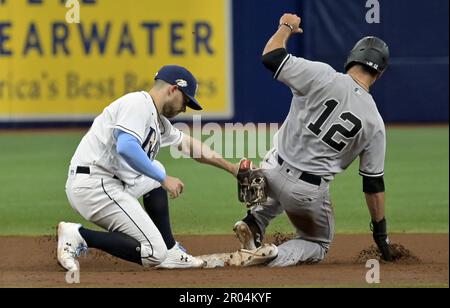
333 119
115 164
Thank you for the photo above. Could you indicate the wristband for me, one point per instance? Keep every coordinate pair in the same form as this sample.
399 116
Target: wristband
287 25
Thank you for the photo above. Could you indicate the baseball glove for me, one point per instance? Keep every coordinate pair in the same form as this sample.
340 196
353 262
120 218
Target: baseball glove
252 184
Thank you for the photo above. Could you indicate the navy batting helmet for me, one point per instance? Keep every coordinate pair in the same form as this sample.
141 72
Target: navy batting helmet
370 51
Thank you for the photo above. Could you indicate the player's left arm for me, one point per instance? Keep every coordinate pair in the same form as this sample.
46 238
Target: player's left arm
194 148
372 170
202 153
374 193
375 203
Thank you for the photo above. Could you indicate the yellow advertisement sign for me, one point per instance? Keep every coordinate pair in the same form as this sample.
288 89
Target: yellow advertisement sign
52 67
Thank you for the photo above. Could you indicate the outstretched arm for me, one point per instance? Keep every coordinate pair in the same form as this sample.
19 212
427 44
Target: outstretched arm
205 155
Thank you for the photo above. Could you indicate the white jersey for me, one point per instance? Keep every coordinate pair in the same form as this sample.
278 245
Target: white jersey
136 114
332 121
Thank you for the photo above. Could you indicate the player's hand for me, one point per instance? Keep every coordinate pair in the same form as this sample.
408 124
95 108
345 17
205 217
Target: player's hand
236 169
380 237
173 186
293 20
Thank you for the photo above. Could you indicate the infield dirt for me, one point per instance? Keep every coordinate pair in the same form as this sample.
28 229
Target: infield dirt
31 262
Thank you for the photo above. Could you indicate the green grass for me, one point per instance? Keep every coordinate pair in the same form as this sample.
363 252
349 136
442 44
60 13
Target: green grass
33 173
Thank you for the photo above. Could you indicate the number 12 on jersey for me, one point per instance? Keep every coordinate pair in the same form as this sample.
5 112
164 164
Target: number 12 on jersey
336 127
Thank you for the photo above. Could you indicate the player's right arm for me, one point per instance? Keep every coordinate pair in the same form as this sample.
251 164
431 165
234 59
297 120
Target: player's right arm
301 75
275 53
289 24
129 148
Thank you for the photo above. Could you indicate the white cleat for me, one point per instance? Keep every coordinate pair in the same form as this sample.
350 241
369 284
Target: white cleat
245 236
70 245
178 258
258 256
242 258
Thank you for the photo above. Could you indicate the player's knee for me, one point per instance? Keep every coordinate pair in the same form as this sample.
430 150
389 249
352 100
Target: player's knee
153 255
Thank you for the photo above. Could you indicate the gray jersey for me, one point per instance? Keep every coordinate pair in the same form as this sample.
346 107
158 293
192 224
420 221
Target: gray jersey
332 120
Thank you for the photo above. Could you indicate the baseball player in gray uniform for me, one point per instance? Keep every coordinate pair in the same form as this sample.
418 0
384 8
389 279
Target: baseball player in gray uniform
115 164
333 119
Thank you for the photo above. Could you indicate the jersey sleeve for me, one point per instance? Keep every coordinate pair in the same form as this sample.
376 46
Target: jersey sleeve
133 115
304 76
170 135
372 158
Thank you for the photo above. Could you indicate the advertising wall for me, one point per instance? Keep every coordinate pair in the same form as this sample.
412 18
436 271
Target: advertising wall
53 70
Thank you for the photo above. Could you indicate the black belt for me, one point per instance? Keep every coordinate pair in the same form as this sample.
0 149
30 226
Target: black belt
87 170
83 170
305 176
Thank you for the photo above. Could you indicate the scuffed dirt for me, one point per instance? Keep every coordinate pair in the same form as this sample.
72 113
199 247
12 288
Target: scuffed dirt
400 254
423 261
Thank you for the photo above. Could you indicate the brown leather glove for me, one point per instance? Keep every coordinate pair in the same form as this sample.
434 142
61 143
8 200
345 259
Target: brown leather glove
252 184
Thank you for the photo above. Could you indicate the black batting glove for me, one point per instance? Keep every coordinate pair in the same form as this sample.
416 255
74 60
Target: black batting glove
380 237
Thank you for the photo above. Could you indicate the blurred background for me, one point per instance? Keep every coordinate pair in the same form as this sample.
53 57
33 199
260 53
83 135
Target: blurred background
58 74
55 74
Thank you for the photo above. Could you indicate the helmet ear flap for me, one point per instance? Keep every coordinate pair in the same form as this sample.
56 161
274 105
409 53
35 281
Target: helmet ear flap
348 66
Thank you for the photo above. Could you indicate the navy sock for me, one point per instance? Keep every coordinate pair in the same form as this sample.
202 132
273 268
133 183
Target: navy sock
156 204
115 243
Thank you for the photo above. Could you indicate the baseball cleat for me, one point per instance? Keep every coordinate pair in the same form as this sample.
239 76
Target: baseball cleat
242 257
260 255
245 235
70 245
178 258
